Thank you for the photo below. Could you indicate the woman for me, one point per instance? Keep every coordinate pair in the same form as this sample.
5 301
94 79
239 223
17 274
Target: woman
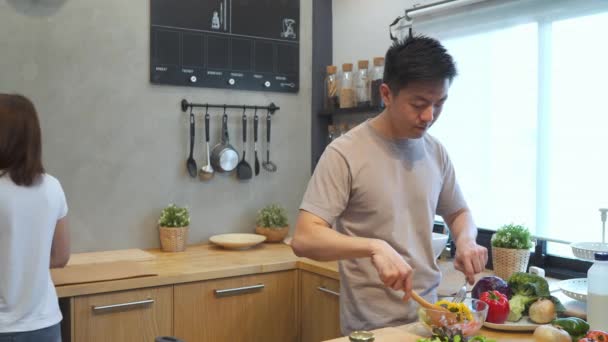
33 230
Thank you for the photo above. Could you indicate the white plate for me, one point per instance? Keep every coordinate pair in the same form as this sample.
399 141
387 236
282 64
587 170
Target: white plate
575 288
524 324
237 241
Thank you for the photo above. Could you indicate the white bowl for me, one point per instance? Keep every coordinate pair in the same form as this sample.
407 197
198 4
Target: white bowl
586 250
439 242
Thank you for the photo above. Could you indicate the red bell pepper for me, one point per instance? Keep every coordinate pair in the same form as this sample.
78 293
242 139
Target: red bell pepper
595 336
498 306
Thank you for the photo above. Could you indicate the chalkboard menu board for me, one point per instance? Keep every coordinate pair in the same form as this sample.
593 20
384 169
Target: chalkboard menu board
235 44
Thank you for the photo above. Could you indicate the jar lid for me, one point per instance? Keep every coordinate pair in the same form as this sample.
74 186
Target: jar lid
361 336
363 64
347 67
601 256
331 69
379 61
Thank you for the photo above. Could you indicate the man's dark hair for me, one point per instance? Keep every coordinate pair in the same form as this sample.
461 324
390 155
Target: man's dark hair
417 58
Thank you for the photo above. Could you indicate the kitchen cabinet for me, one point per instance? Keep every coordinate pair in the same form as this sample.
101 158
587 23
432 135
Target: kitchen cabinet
260 307
320 315
134 315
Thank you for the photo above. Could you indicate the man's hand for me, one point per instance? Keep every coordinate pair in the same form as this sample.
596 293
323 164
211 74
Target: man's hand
392 269
471 259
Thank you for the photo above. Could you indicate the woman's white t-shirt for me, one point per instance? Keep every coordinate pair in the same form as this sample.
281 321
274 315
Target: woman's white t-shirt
28 216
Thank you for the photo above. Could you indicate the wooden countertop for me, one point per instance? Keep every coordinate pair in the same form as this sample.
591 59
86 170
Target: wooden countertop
411 332
206 261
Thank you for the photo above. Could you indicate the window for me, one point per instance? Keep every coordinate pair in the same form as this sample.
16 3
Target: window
525 124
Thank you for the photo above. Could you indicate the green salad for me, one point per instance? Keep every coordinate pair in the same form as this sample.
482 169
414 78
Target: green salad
453 335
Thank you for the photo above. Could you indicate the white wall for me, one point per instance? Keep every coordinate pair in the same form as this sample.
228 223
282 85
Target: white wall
360 28
118 143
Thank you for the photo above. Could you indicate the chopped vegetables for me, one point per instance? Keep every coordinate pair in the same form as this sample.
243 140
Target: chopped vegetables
461 310
452 335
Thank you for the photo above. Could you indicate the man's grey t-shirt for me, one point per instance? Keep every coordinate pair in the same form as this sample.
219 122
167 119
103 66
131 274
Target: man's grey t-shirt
369 186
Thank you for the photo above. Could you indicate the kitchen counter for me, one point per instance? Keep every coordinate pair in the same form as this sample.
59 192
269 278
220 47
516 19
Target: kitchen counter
411 332
207 261
203 262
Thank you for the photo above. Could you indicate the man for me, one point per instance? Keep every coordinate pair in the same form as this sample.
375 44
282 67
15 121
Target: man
380 186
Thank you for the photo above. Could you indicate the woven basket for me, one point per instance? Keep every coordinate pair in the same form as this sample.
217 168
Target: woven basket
273 234
173 239
507 261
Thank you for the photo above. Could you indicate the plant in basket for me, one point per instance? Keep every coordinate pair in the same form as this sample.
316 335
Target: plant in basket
511 250
173 228
272 223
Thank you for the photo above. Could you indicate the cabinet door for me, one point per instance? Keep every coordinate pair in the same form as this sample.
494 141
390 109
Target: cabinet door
319 300
134 316
259 307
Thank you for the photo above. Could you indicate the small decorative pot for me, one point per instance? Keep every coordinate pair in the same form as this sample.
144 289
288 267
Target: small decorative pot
273 234
507 261
173 239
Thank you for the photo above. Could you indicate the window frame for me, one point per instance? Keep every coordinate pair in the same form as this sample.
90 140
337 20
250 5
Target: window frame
555 266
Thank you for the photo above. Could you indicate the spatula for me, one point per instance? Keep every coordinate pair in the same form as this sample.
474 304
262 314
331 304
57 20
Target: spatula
425 304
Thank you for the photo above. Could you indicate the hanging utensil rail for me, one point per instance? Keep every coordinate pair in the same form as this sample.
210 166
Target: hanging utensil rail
271 108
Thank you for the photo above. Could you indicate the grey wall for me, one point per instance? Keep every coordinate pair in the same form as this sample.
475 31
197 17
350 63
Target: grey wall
118 144
360 28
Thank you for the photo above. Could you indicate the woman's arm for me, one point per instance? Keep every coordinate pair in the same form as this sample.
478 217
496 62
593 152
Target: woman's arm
60 249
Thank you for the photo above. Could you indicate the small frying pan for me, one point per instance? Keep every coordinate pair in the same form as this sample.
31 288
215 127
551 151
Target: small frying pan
224 157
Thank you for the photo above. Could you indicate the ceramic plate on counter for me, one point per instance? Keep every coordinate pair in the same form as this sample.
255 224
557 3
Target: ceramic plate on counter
237 241
575 288
524 324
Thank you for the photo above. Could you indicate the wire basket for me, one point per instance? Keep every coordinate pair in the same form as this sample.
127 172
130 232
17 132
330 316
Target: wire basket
173 239
507 261
587 250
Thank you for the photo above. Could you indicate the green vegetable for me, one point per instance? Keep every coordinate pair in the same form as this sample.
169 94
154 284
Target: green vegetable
517 305
576 327
445 334
526 289
529 285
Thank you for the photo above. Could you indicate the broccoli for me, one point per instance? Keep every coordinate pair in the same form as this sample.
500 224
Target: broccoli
517 306
525 289
527 284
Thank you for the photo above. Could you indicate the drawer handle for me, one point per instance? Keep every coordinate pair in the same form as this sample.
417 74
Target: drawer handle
122 305
326 290
237 290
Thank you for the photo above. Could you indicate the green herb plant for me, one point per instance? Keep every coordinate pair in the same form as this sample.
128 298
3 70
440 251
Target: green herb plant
173 216
272 216
512 236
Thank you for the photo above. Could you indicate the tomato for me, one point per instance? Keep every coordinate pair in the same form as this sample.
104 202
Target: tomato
596 336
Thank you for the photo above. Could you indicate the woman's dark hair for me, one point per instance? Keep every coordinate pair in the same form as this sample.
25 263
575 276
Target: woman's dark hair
20 141
417 58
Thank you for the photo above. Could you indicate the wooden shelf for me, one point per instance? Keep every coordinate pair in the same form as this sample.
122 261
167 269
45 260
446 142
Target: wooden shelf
354 110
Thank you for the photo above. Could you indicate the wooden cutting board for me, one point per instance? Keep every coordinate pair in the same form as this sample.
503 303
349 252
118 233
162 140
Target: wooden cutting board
89 273
387 335
110 256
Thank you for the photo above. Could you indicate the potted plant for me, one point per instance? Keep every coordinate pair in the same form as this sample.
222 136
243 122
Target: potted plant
272 223
511 250
173 228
